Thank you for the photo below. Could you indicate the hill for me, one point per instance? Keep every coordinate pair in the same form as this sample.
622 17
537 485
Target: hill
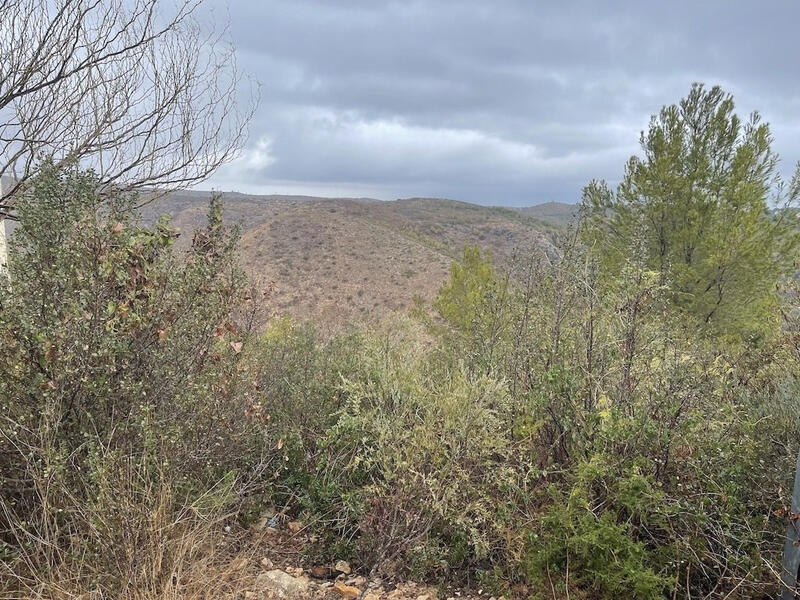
337 260
555 213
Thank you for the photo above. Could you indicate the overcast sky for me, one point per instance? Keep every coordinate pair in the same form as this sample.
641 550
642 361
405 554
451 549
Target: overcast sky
511 102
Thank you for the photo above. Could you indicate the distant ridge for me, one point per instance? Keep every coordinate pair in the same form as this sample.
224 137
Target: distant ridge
558 213
341 260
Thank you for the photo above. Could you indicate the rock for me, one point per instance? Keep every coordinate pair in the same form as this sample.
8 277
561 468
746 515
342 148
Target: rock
343 567
282 585
347 592
372 596
267 563
294 571
356 581
424 597
295 526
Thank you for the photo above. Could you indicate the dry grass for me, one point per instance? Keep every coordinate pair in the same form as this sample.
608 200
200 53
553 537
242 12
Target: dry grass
147 542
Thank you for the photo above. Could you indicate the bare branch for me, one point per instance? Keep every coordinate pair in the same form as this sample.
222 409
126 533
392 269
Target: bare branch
137 90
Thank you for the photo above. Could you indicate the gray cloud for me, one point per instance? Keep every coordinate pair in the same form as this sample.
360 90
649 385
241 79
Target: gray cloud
502 102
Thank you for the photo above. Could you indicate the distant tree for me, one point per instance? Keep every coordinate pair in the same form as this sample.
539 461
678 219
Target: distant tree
462 299
718 226
474 303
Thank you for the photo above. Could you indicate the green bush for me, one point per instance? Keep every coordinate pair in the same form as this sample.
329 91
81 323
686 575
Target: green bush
124 411
415 467
599 447
664 453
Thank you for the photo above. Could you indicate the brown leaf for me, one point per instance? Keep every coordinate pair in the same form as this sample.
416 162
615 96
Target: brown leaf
237 347
162 335
280 444
118 227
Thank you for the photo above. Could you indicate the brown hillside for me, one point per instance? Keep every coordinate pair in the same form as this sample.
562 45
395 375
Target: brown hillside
341 260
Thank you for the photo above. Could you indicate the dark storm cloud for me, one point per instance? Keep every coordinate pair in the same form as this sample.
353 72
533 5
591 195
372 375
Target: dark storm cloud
509 102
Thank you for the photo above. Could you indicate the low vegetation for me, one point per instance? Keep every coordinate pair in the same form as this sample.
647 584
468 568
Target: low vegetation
615 419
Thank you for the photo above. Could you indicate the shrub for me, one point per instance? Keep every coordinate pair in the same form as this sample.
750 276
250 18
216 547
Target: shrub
663 451
415 468
599 446
124 431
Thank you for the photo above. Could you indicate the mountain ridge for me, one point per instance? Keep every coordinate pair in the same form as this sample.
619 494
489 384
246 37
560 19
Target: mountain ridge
336 261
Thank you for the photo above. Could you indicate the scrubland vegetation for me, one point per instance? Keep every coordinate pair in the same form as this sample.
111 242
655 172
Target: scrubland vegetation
616 422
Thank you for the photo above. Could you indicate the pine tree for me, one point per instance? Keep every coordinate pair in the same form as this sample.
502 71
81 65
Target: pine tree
719 225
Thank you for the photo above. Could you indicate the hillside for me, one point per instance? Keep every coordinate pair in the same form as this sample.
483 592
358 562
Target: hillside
336 260
555 213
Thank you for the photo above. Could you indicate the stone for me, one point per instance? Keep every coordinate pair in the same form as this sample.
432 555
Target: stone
295 526
282 585
356 581
372 596
347 592
267 563
343 567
